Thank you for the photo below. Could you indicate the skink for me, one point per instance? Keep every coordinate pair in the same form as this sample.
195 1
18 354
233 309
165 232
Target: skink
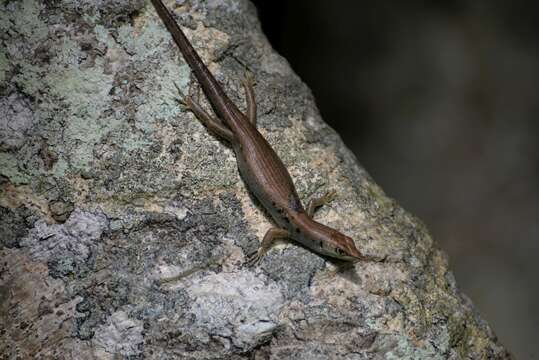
260 167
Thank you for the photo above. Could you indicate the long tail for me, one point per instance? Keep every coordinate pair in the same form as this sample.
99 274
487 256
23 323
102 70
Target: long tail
213 91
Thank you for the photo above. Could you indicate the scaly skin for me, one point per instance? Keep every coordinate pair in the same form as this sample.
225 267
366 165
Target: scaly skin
260 167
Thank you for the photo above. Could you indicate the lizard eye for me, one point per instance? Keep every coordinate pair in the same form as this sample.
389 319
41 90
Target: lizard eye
340 251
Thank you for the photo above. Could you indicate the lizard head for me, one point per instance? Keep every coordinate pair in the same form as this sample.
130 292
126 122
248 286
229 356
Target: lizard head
342 247
325 240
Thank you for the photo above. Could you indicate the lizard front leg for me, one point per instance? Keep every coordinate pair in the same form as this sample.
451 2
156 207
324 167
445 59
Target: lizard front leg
271 235
317 202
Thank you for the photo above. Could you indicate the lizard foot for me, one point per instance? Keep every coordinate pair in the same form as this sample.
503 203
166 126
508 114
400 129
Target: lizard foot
255 259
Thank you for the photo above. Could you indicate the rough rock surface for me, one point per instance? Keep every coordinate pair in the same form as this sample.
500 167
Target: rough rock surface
124 225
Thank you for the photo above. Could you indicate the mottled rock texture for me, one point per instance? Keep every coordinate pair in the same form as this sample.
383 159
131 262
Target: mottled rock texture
125 226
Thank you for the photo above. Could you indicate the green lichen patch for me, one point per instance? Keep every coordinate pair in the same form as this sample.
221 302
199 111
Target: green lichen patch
4 66
28 21
9 168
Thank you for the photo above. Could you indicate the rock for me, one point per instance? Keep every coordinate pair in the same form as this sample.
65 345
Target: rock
126 225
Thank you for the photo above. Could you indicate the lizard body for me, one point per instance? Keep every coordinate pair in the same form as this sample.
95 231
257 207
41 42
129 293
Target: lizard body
260 167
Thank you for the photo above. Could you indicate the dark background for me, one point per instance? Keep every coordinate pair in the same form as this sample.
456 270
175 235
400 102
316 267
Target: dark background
440 103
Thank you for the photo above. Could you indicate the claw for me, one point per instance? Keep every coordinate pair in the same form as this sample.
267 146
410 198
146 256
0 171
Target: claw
255 259
329 196
182 99
249 78
178 89
182 102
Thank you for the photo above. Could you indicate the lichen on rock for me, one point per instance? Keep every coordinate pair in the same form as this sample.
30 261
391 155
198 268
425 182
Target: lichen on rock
125 225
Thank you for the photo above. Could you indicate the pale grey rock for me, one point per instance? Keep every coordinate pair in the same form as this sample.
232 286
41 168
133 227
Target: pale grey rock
73 241
120 335
16 118
240 306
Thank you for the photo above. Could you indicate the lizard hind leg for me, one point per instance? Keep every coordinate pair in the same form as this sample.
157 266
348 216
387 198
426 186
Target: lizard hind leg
213 124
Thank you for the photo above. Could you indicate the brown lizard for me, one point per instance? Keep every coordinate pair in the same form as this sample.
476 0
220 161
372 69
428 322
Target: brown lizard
260 167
